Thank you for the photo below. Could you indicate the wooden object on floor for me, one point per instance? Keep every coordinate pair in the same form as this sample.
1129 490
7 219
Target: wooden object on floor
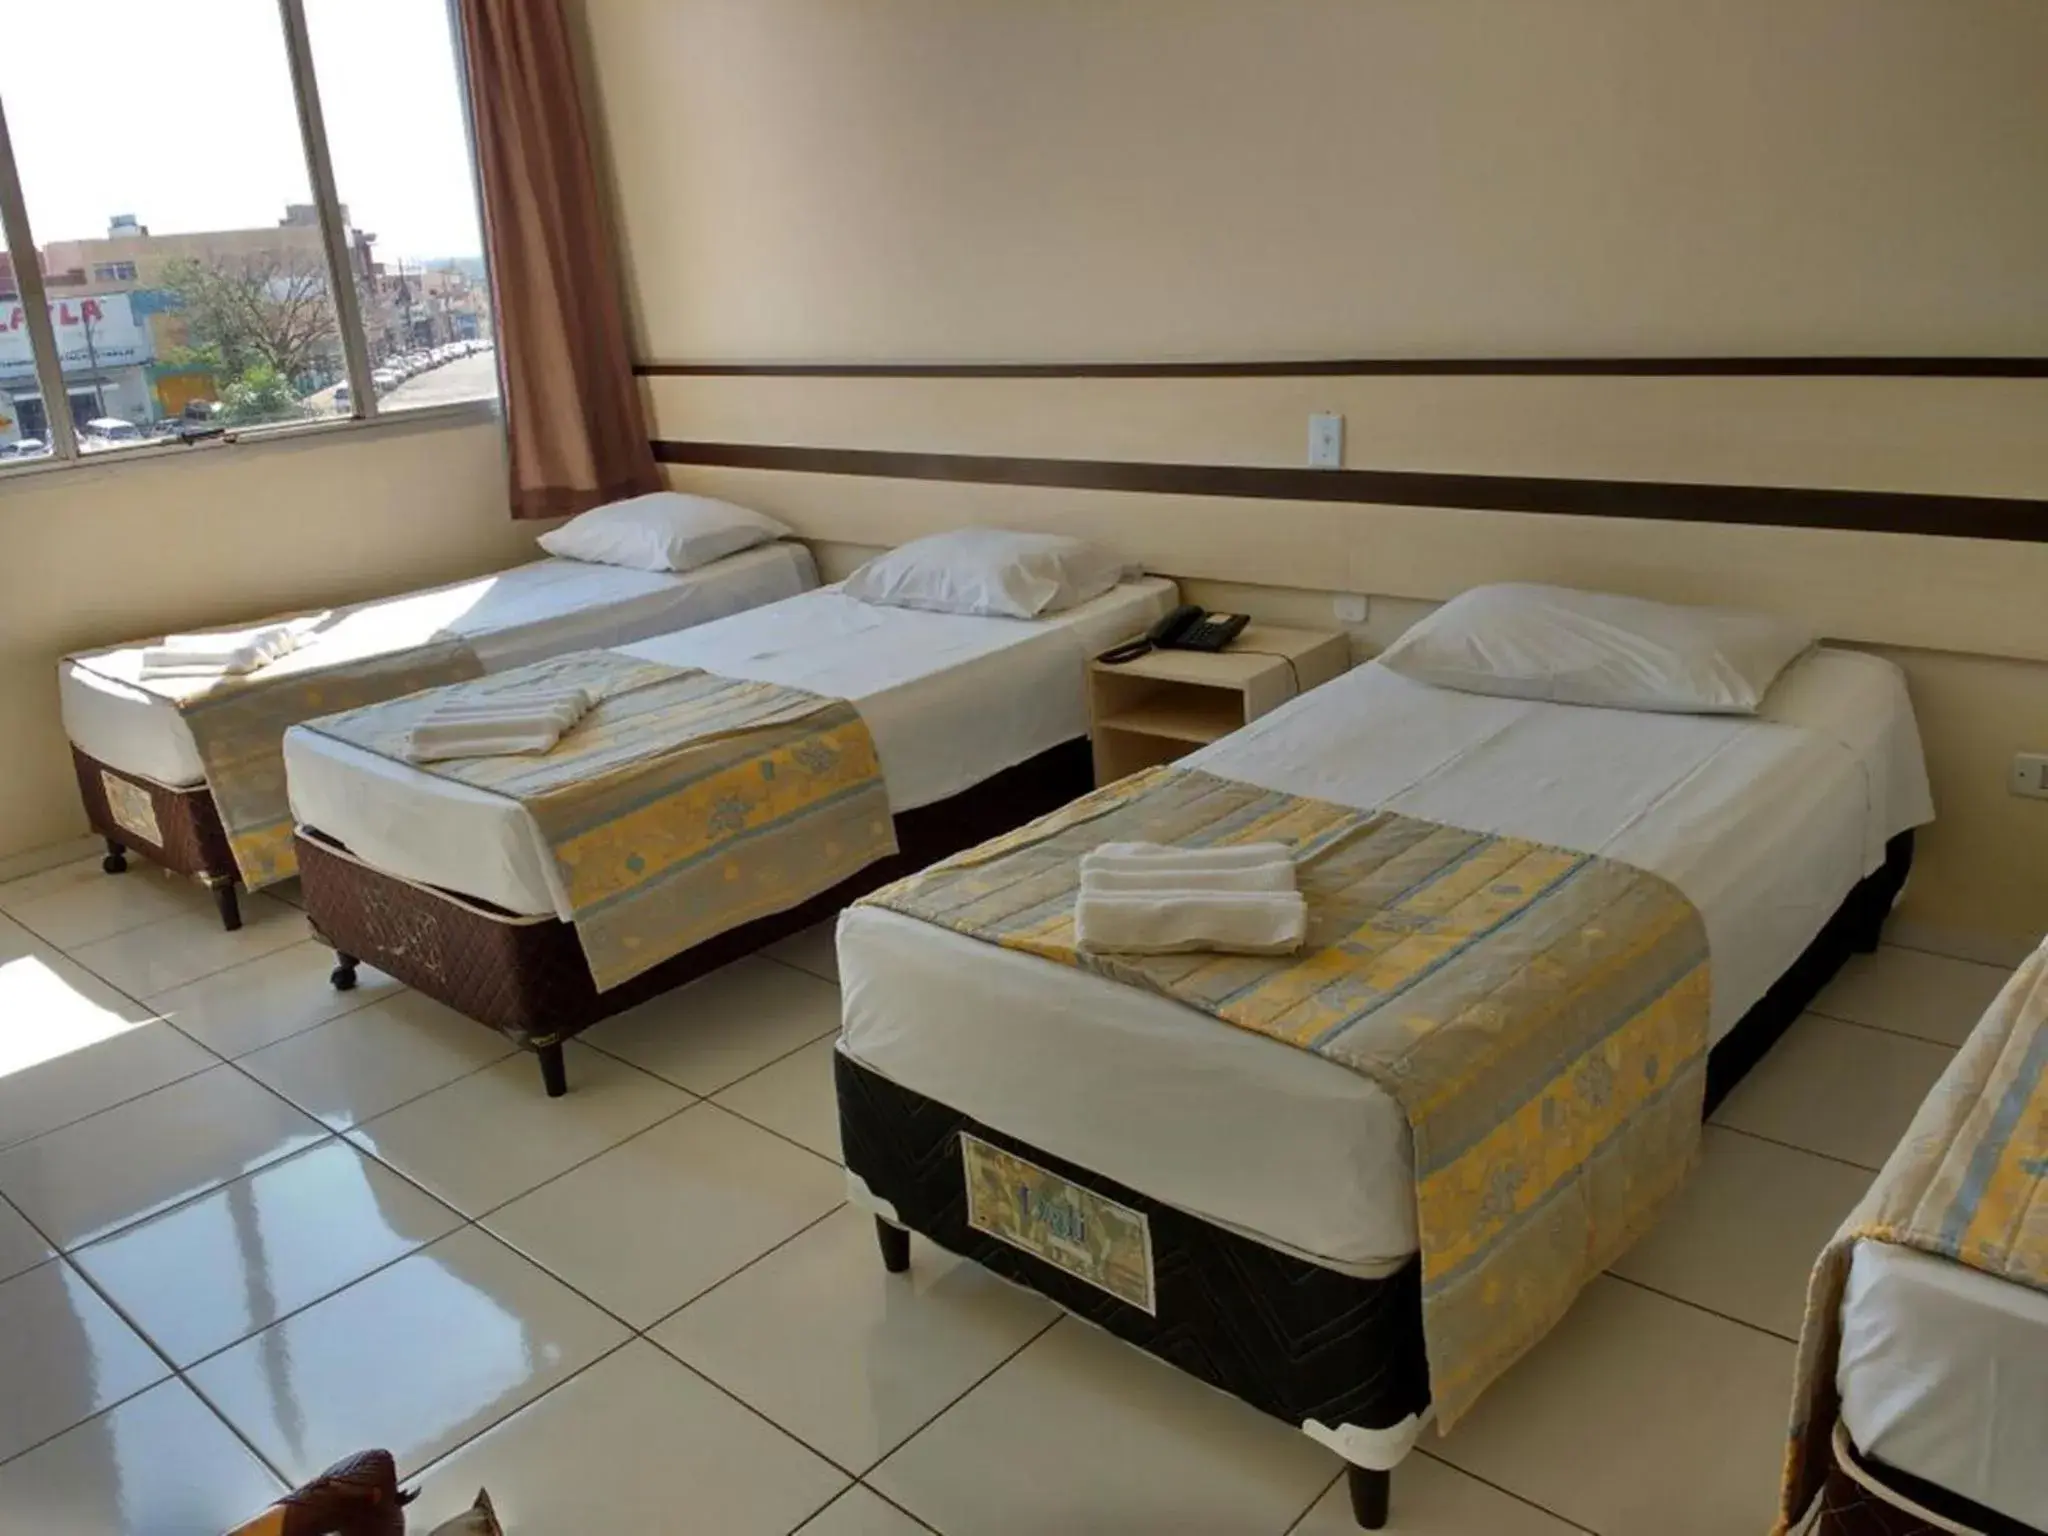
1166 703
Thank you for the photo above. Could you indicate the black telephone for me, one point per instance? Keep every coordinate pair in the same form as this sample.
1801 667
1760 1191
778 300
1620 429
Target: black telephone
1187 628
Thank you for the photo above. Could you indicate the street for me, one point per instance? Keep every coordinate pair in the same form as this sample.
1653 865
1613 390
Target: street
466 378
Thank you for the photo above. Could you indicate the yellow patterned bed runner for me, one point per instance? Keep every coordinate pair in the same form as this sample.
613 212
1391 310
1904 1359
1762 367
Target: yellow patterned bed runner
1539 1015
358 656
683 805
1968 1183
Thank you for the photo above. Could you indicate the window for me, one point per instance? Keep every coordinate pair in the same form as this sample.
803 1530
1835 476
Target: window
210 272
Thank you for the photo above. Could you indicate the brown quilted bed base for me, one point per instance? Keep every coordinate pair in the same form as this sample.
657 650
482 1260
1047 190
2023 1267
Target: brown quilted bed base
189 837
1862 1498
526 976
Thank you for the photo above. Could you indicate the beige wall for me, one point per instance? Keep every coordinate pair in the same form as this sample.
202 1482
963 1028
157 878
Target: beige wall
113 551
1063 180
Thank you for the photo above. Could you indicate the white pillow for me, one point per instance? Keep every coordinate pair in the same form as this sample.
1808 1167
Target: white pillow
661 531
988 571
1570 647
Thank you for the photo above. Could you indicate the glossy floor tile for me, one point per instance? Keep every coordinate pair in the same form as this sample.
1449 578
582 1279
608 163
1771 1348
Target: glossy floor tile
1913 992
80 911
417 1358
161 1464
1432 1498
1081 1433
859 1512
102 1173
668 1214
21 1245
64 1356
793 1097
715 1031
846 1356
224 1266
1741 1237
268 999
1637 1416
815 950
71 1045
356 1067
490 1137
637 1443
1842 1090
23 889
175 950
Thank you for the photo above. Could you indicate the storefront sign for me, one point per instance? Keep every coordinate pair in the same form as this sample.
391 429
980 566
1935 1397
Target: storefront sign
96 329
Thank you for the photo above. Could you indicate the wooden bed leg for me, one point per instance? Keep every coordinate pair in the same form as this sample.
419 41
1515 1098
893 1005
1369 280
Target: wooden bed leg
343 977
554 1072
1371 1493
895 1243
116 861
224 900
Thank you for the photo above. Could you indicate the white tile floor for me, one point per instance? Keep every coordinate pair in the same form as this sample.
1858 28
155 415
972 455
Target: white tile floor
248 1225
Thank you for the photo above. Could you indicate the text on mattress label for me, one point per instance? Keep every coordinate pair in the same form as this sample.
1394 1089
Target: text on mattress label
1091 1237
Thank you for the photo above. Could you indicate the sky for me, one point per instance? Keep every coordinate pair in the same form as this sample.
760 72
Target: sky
183 116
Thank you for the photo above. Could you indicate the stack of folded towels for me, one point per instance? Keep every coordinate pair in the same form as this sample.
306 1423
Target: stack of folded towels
222 653
468 724
1154 899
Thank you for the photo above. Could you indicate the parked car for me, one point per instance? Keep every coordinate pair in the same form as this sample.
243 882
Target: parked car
105 431
344 398
387 379
24 448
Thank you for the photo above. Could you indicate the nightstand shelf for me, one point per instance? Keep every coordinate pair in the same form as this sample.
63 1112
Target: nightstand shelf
1165 704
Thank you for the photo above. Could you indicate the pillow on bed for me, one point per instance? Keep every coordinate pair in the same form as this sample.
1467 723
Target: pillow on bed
661 531
988 571
1570 647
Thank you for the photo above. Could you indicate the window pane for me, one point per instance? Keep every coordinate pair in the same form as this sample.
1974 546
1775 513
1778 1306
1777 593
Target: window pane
396 131
187 277
24 429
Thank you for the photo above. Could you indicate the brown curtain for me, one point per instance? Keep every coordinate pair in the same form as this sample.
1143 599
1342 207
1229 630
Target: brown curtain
572 409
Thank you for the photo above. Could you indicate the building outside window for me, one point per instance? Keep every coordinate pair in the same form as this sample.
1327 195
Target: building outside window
204 284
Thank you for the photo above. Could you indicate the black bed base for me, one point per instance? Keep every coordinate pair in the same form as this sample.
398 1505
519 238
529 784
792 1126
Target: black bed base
1291 1338
527 978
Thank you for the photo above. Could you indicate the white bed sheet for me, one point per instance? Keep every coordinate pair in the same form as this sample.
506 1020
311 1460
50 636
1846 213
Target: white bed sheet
1765 824
525 614
950 700
1944 1374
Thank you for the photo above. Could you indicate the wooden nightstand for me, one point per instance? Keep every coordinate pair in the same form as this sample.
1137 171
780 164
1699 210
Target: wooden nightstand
1167 703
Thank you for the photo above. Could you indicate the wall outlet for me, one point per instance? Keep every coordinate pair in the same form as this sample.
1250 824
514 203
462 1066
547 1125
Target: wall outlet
1350 607
2030 775
1325 441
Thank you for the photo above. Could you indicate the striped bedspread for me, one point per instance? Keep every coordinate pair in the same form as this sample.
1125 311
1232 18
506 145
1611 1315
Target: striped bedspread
683 805
355 657
1968 1183
1540 1016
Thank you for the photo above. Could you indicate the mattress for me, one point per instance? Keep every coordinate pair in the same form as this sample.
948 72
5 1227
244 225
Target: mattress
521 615
949 699
1765 824
1941 1376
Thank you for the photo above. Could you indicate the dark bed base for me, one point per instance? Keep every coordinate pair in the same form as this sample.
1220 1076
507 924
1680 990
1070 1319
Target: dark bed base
526 977
1867 1498
190 838
1289 1337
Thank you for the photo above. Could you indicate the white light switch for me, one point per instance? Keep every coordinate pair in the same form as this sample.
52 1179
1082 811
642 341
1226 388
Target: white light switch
1350 607
1325 440
2030 775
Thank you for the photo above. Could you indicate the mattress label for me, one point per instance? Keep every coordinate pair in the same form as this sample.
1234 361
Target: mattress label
1089 1236
132 809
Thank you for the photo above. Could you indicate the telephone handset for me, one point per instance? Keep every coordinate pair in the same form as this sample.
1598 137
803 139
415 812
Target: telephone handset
1187 628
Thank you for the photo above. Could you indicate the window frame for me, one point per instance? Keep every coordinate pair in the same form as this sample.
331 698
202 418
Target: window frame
66 452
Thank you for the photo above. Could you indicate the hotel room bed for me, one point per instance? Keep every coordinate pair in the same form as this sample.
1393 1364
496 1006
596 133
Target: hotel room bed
139 767
979 724
1789 832
1943 1375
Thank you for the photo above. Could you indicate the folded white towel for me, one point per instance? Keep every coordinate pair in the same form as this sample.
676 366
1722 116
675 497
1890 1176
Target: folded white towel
226 652
1135 868
1242 922
497 725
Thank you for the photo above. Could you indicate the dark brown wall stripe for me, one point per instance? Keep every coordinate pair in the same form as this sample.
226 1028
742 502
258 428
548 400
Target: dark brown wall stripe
1630 367
1972 517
